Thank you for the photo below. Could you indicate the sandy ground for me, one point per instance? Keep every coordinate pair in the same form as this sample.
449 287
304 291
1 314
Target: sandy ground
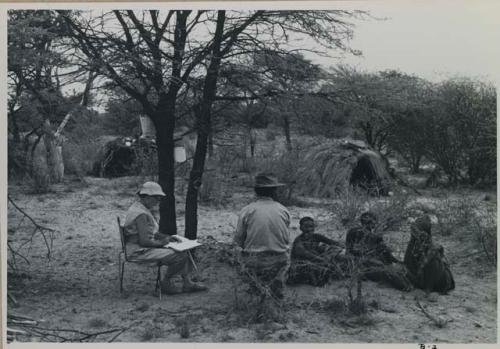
78 288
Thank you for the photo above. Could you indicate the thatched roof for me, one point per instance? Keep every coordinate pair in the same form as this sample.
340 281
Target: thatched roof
331 167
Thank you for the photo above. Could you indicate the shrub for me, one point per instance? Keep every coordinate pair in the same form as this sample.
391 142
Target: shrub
469 219
213 189
460 133
79 156
284 166
350 206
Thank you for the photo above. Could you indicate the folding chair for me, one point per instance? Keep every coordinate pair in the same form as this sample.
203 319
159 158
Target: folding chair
123 258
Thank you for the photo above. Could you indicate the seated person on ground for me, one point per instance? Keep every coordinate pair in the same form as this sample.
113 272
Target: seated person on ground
315 258
425 260
145 244
375 258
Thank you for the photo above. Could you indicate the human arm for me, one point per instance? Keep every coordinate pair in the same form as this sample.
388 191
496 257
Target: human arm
300 251
241 231
146 231
327 241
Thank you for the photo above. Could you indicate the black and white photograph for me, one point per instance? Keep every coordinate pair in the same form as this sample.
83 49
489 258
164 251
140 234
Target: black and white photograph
259 172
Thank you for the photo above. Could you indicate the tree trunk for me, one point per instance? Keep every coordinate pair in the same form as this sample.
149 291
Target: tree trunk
204 122
211 144
286 126
415 168
253 141
165 124
15 127
196 174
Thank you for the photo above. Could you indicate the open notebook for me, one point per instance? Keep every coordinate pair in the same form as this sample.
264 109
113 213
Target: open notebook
184 245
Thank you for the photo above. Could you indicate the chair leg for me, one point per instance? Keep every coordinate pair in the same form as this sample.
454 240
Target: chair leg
121 277
121 270
158 278
192 261
120 273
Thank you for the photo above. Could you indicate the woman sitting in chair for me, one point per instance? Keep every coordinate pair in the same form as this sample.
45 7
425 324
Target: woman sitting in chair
145 244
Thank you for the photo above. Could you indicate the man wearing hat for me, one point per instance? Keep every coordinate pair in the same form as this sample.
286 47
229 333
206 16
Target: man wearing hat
146 245
263 235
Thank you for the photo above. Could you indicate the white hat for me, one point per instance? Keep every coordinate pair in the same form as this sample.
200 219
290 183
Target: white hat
151 189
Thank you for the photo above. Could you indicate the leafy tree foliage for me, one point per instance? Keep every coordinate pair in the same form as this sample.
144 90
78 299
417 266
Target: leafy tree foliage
461 131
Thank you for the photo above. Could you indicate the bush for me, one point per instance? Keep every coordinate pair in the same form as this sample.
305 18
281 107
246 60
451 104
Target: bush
460 133
350 206
79 156
213 189
284 167
470 220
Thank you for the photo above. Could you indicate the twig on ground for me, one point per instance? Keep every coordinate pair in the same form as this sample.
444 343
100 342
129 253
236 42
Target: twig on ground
14 254
11 298
28 216
119 333
29 327
439 322
43 230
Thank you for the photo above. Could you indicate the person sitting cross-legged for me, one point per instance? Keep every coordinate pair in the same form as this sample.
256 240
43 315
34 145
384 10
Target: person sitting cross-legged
373 257
315 258
425 260
145 244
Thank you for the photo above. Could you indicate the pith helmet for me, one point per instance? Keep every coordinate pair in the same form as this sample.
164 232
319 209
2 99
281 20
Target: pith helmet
151 189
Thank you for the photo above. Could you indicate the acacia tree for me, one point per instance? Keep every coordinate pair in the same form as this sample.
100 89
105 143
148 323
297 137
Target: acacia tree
146 56
290 74
460 133
328 28
153 56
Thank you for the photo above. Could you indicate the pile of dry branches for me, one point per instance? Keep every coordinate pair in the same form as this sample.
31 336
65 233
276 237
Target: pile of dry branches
22 328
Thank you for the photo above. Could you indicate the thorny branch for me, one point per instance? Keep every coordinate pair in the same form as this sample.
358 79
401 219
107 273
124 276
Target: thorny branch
43 230
21 325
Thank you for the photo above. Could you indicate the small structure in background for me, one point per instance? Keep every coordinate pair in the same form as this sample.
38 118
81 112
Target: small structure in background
117 157
125 156
333 166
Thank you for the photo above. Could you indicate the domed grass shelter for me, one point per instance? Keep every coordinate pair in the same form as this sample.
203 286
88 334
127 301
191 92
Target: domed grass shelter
331 167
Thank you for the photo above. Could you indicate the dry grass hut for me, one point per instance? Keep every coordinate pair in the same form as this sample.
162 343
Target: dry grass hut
117 157
333 166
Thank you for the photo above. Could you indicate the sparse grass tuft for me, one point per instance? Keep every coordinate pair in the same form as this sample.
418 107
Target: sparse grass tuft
470 219
97 323
150 333
183 326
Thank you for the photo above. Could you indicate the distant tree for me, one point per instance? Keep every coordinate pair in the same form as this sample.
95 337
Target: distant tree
33 63
37 72
461 136
121 116
410 120
373 100
288 75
